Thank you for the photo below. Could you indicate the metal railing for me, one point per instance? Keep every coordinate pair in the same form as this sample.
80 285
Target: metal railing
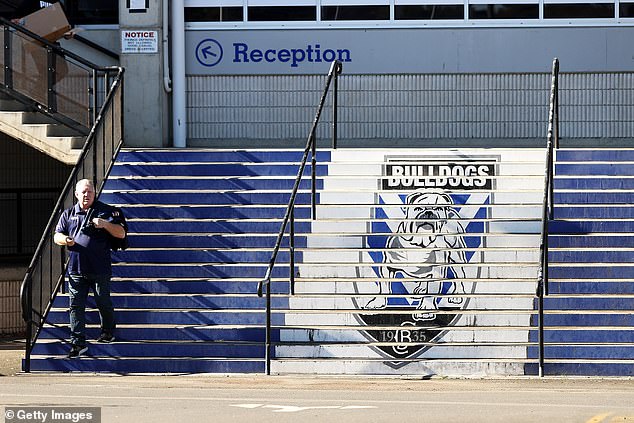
548 204
289 216
45 273
51 80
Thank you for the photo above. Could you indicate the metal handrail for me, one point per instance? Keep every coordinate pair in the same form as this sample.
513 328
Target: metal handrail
548 204
54 51
335 70
92 165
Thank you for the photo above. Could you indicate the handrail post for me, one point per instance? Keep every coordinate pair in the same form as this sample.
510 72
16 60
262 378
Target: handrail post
291 241
313 178
267 343
29 323
335 84
51 101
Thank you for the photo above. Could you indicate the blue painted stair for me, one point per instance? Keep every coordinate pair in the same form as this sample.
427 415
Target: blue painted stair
589 316
202 226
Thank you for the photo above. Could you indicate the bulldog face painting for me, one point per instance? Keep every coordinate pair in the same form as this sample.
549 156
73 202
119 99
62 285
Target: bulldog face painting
427 234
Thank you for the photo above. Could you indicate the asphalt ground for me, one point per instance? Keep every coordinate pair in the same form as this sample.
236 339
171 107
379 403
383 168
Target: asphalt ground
293 398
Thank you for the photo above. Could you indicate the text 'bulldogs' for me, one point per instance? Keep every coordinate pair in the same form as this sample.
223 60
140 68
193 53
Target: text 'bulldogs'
450 175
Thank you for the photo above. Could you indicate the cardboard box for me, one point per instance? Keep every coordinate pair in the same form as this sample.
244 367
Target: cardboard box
49 23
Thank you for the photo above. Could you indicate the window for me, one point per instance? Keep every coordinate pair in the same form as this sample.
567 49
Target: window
626 10
578 10
503 11
213 14
428 11
282 13
355 13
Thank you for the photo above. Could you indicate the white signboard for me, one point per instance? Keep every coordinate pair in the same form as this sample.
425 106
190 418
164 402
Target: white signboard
139 41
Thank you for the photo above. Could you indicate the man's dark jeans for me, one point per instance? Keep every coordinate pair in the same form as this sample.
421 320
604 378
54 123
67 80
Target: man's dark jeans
78 288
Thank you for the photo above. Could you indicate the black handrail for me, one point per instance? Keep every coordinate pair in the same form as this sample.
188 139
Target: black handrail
548 204
48 265
333 73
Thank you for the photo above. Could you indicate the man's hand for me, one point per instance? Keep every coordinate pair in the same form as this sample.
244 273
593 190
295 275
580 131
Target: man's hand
70 241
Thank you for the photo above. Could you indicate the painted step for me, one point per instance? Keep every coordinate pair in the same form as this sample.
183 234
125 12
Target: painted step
211 169
234 226
195 270
217 184
594 197
213 212
593 256
574 286
588 226
594 183
591 272
153 316
193 198
133 365
595 212
616 368
598 155
192 155
619 240
192 286
207 302
595 169
159 349
185 333
180 240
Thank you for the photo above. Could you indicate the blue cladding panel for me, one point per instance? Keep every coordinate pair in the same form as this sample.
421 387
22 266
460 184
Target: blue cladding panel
211 170
251 156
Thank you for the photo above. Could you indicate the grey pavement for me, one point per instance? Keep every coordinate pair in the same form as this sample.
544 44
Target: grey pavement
260 398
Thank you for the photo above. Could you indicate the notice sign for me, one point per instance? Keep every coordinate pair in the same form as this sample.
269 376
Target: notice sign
139 41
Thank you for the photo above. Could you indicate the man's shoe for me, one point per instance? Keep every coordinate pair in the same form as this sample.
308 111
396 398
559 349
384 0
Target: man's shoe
76 351
105 338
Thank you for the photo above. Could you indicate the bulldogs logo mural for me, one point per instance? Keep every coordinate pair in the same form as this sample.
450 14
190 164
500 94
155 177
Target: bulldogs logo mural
426 264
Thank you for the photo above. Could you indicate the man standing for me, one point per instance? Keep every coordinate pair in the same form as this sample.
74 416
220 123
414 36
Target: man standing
88 229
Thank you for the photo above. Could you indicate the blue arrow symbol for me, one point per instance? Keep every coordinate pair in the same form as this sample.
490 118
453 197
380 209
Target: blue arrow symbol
207 51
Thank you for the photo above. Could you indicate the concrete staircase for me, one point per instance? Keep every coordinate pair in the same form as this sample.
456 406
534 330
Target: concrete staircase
370 298
382 286
39 131
590 308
